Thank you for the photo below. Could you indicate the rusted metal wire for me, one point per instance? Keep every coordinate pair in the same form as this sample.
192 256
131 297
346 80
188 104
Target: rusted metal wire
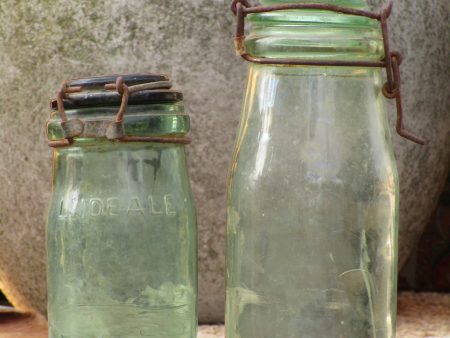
60 143
168 139
391 60
115 131
125 92
61 95
248 9
66 124
153 139
387 51
395 61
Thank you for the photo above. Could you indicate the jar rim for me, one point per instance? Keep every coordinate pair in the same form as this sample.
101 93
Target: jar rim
129 79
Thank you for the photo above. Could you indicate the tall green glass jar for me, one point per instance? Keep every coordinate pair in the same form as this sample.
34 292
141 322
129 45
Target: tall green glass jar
122 240
313 190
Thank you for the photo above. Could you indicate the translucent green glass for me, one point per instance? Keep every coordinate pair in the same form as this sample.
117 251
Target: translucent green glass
141 120
122 243
313 191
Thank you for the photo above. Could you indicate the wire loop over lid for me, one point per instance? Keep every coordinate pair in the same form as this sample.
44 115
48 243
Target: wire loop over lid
391 60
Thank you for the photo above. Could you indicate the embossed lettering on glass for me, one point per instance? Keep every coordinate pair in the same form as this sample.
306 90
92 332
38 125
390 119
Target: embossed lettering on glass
122 240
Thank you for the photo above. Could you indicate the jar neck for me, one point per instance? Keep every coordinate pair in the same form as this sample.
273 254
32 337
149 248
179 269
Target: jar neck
315 34
153 120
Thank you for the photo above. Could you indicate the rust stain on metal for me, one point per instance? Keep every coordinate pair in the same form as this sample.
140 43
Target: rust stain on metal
122 89
395 61
64 121
60 143
391 60
157 139
125 92
248 9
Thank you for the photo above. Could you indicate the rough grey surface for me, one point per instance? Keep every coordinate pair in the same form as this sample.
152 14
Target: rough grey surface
419 30
44 42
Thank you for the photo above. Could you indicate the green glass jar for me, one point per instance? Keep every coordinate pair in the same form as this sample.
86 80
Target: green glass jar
122 241
313 190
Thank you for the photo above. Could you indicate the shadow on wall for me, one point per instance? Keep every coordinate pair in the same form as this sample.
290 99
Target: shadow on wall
428 268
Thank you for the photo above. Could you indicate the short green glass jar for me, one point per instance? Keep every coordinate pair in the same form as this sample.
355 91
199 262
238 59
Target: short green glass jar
122 241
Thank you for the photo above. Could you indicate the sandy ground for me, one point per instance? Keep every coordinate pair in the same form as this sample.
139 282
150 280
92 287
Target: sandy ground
424 315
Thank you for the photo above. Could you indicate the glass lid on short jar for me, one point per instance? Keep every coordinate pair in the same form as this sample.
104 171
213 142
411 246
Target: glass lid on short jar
150 108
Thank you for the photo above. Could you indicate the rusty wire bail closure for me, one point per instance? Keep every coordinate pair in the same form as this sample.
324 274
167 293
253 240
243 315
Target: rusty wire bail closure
73 128
391 60
115 130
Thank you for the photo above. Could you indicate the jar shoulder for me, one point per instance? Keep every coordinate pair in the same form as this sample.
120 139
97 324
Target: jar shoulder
122 180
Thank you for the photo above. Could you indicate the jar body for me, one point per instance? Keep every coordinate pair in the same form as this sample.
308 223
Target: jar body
122 242
312 207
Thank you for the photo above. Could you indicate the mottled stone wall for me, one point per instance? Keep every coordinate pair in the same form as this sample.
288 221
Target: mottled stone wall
45 41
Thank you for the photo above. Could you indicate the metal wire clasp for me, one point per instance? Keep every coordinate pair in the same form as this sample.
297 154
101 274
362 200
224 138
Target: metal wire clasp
71 127
391 60
114 131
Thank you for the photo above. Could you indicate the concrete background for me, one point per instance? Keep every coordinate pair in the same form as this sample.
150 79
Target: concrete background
43 42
